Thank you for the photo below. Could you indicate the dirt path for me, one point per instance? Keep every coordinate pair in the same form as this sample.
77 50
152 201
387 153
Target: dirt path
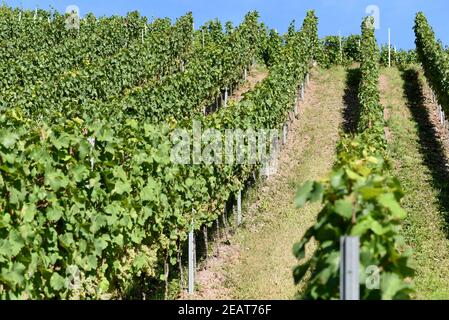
254 77
420 163
258 74
383 87
256 263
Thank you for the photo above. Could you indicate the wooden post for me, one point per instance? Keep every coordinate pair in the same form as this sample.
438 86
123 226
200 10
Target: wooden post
226 98
92 142
349 268
206 241
296 105
284 135
192 260
239 208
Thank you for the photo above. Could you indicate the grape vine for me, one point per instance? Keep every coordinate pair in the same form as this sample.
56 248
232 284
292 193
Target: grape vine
360 198
103 197
434 59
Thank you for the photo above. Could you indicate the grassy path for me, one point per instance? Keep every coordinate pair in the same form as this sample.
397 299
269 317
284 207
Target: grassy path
420 164
255 76
257 261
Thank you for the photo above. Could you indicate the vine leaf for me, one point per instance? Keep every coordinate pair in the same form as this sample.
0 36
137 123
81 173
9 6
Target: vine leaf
389 201
309 191
344 208
57 282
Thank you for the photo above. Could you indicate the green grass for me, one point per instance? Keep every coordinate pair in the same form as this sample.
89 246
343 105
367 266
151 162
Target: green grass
272 223
263 266
416 156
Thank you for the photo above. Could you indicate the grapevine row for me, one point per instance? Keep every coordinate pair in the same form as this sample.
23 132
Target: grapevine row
99 39
360 199
215 68
110 77
109 201
434 60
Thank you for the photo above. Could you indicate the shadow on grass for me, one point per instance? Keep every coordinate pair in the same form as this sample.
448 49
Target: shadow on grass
431 146
351 113
351 116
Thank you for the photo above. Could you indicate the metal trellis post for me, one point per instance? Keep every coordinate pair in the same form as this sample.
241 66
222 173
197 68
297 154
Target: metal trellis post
349 268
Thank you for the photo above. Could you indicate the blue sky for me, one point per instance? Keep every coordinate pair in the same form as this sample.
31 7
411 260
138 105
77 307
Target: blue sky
334 15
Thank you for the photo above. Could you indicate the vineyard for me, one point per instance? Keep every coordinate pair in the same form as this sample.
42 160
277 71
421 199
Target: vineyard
136 155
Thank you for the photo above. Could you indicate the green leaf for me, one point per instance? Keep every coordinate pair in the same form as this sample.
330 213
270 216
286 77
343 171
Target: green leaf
344 208
8 139
105 135
369 193
16 241
389 201
5 220
122 187
303 194
391 285
104 285
365 224
92 262
151 191
100 245
189 182
56 180
80 173
352 175
57 282
66 240
14 276
28 212
119 240
54 213
337 179
317 193
63 141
